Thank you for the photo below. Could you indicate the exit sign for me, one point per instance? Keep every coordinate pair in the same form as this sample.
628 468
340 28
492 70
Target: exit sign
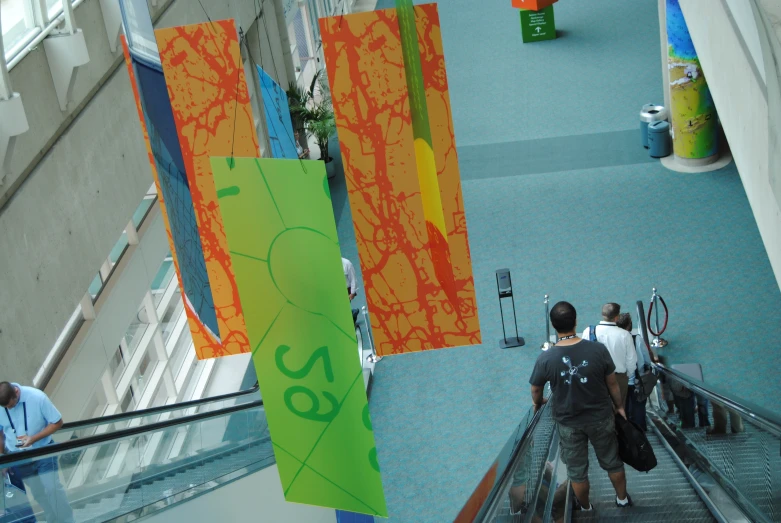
538 25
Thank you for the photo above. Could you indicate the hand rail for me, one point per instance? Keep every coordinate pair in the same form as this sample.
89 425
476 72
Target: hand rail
750 412
506 477
74 444
154 410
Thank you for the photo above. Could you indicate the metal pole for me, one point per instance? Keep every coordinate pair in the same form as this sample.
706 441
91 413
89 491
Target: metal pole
373 357
515 318
548 343
658 342
501 313
656 309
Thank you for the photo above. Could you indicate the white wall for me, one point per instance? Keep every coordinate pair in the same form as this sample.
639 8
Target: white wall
741 12
62 221
80 371
742 107
257 497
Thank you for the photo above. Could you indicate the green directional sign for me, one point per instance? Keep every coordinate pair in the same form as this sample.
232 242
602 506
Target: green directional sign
283 245
538 25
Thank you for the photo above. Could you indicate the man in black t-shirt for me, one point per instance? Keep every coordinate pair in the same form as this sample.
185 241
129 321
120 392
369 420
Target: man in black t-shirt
584 394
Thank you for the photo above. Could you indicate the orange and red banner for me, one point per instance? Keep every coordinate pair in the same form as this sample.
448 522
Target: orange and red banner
411 309
211 108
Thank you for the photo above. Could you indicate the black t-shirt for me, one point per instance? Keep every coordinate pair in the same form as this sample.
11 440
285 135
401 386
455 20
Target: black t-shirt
577 376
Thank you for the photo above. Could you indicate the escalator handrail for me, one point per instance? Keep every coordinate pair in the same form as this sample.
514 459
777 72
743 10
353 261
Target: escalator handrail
518 452
74 425
750 412
75 444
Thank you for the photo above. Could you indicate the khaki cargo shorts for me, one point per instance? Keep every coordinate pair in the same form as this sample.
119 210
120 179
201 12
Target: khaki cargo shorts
574 442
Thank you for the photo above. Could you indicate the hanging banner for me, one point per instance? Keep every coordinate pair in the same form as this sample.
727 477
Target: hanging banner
282 235
443 138
211 108
409 290
278 121
163 147
161 201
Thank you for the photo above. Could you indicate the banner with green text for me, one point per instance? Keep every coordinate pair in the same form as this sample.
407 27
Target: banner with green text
285 252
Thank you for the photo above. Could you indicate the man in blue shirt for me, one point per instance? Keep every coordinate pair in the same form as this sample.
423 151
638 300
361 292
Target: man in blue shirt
28 419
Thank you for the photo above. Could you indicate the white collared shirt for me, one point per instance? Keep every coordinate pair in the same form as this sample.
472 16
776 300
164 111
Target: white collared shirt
619 343
349 275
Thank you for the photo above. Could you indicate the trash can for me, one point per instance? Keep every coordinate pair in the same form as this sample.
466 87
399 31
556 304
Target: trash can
659 139
649 114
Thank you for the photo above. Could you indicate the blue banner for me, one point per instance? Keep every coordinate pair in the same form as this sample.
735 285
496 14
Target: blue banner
278 121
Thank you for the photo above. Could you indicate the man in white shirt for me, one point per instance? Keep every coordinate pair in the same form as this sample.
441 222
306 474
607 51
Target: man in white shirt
619 343
349 276
352 283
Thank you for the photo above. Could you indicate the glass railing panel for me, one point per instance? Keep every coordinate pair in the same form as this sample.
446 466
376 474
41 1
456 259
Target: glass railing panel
139 473
142 418
531 477
741 451
510 486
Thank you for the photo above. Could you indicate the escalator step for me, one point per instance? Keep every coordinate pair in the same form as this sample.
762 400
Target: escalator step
662 495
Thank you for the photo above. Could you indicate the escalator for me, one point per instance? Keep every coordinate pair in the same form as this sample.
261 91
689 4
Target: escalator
127 466
722 466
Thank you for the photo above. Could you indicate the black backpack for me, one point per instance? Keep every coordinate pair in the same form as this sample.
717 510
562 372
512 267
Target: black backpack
634 449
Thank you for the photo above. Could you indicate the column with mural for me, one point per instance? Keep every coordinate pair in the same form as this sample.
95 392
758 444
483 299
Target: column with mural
693 112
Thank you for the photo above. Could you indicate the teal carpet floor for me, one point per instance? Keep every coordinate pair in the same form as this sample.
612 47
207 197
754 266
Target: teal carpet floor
557 188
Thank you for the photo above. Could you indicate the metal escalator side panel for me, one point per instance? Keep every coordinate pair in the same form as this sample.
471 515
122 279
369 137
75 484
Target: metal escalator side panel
754 504
717 514
490 499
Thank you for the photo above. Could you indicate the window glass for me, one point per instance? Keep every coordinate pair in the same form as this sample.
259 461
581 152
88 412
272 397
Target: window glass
95 286
133 337
161 397
119 248
144 373
16 21
162 280
179 353
142 210
128 402
117 365
171 315
139 30
54 8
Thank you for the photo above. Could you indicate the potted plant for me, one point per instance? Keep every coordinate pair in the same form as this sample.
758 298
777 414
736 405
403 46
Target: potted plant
322 126
302 103
298 100
311 111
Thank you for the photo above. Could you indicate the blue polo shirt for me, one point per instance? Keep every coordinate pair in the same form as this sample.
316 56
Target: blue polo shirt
35 411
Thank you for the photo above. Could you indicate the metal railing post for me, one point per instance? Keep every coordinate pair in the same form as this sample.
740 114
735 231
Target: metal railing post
548 343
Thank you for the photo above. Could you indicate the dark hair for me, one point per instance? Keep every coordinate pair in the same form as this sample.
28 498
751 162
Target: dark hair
563 317
624 321
611 310
7 393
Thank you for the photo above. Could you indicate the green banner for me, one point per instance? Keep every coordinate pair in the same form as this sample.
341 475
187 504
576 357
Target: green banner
285 252
538 25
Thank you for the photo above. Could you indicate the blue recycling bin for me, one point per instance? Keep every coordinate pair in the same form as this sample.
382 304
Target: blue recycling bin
659 144
649 114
